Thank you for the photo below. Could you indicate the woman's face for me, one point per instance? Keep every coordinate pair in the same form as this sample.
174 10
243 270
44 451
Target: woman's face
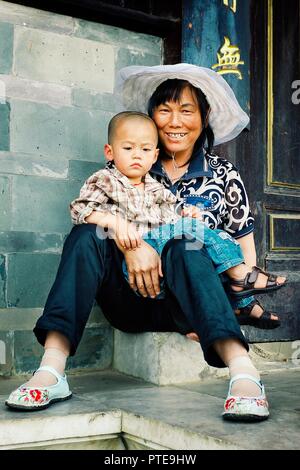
179 123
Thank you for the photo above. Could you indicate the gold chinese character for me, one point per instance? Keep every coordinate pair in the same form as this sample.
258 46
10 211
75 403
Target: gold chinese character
229 59
232 6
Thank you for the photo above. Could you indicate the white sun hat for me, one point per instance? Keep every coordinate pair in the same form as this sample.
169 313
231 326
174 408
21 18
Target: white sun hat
136 84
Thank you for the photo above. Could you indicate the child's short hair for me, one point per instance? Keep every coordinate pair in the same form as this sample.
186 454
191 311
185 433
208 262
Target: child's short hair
121 117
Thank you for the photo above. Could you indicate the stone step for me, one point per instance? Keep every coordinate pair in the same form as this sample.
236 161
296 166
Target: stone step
113 411
171 358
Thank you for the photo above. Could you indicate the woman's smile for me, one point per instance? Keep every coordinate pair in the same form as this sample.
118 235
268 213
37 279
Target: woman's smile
179 124
176 136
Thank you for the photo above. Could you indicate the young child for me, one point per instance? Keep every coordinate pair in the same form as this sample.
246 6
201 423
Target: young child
134 205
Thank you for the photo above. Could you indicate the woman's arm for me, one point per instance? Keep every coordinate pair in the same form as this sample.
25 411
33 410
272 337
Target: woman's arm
248 249
143 263
144 268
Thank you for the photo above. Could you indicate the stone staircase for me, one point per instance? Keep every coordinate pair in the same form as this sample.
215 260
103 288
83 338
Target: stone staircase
113 411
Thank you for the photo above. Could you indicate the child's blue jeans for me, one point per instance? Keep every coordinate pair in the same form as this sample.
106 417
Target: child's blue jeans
224 251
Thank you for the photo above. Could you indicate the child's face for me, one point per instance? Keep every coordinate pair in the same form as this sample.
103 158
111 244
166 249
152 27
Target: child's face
133 148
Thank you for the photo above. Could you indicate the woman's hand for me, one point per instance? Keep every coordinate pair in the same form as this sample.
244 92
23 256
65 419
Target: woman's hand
144 269
191 211
126 234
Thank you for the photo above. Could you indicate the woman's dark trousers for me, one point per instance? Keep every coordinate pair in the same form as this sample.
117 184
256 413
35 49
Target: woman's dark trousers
91 268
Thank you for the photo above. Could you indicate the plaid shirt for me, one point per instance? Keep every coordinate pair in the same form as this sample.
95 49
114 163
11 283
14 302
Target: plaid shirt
108 190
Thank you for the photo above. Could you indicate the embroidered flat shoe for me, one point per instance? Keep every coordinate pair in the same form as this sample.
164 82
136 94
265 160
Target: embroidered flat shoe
246 408
39 398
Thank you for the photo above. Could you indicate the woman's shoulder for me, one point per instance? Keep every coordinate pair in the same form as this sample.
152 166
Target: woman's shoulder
215 162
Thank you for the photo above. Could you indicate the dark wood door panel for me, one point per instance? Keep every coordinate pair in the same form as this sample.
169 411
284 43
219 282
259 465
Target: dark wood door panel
284 68
268 156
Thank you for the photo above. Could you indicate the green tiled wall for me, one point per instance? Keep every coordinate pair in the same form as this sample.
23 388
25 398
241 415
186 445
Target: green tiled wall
58 76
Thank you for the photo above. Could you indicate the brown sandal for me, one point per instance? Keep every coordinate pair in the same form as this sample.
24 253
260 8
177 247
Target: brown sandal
250 279
264 322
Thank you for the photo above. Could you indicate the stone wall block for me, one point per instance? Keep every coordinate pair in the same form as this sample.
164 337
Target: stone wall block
6 46
58 132
48 213
117 36
4 125
5 202
33 165
34 18
3 281
6 353
160 358
50 57
29 278
33 90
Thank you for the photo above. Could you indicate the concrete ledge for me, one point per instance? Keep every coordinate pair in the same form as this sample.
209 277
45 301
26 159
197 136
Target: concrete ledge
161 358
155 434
45 429
171 358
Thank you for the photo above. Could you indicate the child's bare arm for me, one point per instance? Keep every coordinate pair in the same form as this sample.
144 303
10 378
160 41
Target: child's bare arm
125 232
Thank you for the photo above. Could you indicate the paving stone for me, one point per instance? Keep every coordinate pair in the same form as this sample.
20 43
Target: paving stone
157 417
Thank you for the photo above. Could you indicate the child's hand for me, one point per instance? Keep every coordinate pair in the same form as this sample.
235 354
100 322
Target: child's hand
126 234
191 211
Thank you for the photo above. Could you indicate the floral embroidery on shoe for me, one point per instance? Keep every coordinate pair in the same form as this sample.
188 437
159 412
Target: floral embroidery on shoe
229 403
29 396
242 405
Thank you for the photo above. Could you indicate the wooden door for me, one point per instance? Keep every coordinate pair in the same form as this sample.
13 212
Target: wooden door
268 156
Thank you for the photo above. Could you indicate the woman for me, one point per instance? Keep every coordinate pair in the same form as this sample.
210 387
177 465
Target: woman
195 299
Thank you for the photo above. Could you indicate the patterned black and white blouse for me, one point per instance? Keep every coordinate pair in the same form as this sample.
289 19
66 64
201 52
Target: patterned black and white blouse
214 184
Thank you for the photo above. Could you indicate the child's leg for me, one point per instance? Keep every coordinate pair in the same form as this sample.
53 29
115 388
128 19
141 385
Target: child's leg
222 249
227 256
